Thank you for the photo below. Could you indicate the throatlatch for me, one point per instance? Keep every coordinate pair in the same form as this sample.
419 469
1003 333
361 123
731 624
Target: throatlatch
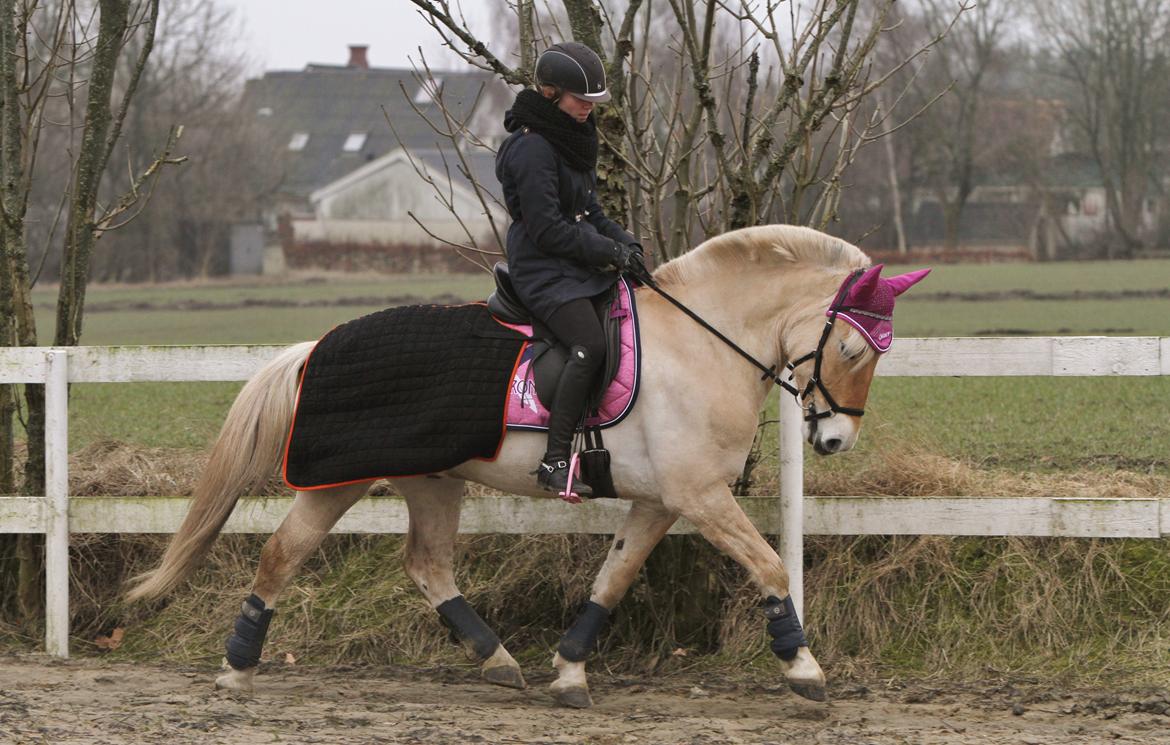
784 627
247 640
466 625
581 639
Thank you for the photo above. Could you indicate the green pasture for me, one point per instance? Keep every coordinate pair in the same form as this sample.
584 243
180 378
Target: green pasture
306 289
1128 317
239 312
1064 276
1012 423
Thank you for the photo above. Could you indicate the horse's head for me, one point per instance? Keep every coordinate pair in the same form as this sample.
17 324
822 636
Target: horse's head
831 381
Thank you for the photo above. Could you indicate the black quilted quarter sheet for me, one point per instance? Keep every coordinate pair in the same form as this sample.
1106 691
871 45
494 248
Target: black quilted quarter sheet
401 392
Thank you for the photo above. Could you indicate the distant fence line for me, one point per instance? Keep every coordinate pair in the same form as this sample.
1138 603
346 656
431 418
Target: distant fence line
791 515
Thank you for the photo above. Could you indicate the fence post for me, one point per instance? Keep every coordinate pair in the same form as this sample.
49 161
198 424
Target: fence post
792 498
57 502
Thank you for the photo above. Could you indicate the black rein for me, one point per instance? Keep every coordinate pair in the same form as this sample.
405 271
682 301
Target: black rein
814 382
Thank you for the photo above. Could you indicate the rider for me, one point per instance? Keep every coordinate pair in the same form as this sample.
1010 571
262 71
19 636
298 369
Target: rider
562 249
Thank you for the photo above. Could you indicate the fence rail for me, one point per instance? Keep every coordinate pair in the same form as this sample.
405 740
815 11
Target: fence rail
791 515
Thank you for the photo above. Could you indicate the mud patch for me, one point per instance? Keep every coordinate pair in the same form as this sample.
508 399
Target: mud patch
90 701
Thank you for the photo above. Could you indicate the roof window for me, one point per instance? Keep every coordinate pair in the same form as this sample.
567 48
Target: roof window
355 142
298 141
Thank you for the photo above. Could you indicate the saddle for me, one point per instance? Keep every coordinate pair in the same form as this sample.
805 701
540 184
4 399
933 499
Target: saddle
542 363
548 354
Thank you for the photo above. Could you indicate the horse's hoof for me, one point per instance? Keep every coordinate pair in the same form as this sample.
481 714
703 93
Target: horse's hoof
576 698
811 691
504 675
236 681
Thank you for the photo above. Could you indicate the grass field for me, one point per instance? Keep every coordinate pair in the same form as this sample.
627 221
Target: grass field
1019 424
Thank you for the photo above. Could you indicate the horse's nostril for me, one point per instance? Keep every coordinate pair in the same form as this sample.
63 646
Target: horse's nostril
832 444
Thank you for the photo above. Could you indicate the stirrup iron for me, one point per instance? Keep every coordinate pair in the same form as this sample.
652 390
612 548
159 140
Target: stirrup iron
572 467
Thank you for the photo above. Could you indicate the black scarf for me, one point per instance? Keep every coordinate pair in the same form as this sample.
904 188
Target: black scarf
576 143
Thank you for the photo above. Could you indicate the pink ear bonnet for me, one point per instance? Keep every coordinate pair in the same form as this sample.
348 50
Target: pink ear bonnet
868 303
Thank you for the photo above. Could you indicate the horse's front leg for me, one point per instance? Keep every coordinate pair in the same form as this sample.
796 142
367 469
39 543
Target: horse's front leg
722 522
644 526
434 505
312 516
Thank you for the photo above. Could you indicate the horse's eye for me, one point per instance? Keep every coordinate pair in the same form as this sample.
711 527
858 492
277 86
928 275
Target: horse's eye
844 349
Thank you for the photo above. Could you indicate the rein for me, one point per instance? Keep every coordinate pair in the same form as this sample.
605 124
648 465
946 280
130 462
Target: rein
814 382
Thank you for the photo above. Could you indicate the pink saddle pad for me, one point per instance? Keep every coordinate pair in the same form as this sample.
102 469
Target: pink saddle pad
525 411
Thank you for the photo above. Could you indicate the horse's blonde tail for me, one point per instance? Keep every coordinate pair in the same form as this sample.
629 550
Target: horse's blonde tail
249 447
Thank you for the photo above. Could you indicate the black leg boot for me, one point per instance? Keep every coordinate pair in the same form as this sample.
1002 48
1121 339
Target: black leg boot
565 413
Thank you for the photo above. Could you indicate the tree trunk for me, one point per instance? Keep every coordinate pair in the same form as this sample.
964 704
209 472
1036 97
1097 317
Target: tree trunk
9 179
79 236
18 325
586 25
895 183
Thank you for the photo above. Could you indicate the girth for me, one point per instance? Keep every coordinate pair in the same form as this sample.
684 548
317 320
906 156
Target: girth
548 354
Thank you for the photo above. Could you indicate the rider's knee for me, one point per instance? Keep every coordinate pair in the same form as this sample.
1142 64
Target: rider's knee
587 355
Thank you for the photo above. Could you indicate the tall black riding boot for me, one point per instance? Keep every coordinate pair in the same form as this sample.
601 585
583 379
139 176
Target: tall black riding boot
566 410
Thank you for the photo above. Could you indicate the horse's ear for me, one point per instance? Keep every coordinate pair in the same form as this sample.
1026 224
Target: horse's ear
863 289
903 282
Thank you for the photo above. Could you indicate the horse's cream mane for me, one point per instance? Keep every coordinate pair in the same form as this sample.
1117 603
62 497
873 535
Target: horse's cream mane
772 246
761 246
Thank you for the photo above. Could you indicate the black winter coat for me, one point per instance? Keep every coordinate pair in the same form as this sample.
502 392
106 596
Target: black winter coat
560 244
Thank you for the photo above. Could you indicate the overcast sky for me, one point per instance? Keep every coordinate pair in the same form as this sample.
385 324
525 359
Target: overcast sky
288 34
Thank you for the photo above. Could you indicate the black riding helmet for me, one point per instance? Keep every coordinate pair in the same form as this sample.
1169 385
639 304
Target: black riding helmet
573 68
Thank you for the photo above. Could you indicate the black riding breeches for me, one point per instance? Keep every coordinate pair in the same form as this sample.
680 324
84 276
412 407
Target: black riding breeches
576 324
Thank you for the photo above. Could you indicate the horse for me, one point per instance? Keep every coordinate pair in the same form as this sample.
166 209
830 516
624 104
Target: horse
769 289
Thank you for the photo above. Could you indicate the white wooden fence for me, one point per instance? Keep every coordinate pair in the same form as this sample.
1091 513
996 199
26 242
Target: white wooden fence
791 516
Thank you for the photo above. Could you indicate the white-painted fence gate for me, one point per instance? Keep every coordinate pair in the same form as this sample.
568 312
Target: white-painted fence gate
790 516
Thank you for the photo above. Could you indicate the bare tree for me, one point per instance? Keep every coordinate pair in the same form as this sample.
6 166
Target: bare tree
459 143
194 79
723 114
950 139
1114 56
52 63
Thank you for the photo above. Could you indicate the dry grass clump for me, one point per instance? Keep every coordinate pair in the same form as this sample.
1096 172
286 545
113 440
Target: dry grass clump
914 472
352 603
1083 609
970 607
1086 610
109 468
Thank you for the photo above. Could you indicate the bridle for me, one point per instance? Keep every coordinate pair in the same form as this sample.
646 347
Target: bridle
816 356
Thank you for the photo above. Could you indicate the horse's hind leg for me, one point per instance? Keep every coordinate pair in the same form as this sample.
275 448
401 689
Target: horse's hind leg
312 516
644 526
434 505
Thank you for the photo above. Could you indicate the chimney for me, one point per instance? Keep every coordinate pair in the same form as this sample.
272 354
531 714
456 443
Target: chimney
357 57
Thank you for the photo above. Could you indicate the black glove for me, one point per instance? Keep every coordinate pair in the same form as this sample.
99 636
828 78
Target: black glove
630 260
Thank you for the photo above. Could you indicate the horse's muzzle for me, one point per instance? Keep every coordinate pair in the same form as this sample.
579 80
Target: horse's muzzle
828 445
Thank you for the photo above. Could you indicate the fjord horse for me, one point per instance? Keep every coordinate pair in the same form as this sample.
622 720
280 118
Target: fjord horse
768 289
